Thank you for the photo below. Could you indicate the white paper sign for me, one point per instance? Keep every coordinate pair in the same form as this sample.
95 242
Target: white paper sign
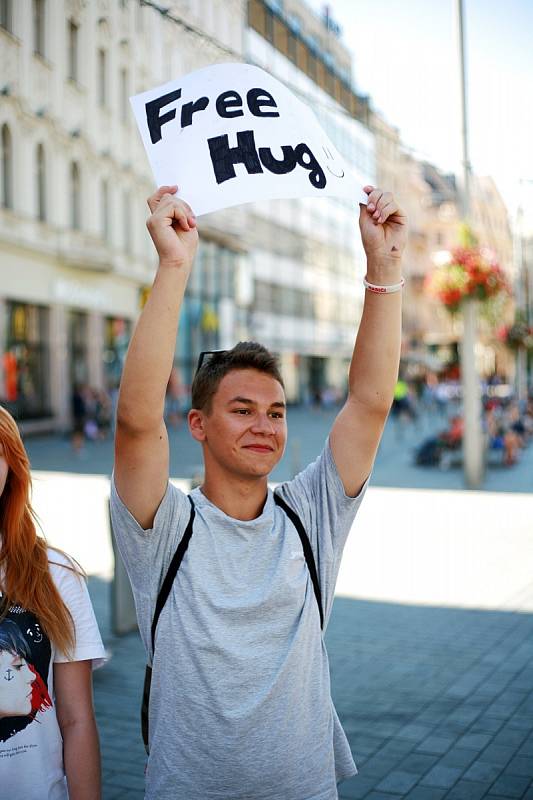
231 133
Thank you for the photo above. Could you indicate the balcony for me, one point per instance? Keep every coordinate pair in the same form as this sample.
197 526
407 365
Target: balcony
79 250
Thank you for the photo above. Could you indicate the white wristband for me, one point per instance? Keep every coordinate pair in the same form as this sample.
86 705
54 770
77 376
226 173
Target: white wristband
394 287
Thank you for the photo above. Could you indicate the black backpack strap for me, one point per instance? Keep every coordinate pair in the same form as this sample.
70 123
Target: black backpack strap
171 573
161 600
308 552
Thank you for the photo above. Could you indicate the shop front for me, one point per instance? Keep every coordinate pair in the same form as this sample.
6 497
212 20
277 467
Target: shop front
78 352
117 332
26 361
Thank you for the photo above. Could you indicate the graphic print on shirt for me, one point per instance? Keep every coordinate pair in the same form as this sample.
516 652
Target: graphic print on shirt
25 654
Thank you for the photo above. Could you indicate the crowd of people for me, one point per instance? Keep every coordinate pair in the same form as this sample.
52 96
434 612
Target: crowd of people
507 425
418 402
508 428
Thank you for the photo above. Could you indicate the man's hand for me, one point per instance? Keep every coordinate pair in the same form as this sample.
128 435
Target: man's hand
172 227
383 227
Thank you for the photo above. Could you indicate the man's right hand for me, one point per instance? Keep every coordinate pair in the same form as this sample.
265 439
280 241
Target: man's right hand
172 226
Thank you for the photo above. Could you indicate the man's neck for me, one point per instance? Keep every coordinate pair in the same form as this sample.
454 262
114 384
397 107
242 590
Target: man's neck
238 498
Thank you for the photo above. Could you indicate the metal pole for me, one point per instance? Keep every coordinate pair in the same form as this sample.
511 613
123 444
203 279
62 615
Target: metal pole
473 462
523 291
520 295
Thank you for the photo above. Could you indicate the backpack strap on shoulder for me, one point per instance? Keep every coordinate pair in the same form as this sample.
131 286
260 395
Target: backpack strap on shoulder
171 573
308 552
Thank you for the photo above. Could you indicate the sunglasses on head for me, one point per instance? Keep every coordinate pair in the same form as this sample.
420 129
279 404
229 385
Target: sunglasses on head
206 356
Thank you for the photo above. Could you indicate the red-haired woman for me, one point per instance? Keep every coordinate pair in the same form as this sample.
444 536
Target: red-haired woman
49 644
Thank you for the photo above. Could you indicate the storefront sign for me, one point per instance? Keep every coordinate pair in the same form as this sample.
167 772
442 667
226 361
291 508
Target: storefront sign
76 294
231 133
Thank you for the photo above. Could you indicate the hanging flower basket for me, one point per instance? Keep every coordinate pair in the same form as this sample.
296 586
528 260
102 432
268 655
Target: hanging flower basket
470 273
517 335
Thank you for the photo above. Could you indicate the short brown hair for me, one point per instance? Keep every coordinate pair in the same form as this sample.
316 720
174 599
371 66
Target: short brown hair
245 355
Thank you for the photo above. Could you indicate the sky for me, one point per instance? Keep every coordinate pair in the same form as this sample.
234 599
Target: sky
406 58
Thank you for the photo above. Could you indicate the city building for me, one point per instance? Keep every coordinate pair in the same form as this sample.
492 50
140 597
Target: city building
490 225
306 255
76 259
77 262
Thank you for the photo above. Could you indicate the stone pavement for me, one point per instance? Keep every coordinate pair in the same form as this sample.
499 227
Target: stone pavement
430 640
307 431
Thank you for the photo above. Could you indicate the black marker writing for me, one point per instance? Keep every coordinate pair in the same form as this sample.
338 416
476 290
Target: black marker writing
225 157
228 104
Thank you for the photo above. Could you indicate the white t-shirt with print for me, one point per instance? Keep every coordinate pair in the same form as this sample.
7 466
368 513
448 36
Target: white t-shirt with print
31 746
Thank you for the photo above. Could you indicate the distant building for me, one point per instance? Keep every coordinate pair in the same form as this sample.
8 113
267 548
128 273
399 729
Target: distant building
76 259
77 262
490 224
306 255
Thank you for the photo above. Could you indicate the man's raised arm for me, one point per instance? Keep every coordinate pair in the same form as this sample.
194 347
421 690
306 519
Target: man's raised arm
141 442
373 373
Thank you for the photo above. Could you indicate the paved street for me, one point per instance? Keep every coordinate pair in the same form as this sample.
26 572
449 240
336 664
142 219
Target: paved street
307 431
431 637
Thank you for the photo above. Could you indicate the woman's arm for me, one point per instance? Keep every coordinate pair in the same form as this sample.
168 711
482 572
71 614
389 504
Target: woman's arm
75 714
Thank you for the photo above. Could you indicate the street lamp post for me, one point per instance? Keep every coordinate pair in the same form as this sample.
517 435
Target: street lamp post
473 463
522 293
520 298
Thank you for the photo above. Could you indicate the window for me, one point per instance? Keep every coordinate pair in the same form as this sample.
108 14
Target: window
7 168
292 51
75 197
263 296
102 78
329 81
72 66
312 65
126 222
38 27
105 228
124 96
117 332
78 339
269 25
41 183
26 361
209 272
6 15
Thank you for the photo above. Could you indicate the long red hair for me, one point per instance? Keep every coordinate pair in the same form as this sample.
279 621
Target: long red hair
25 576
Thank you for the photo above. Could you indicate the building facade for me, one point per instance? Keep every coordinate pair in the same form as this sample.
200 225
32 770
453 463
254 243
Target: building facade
490 224
306 255
76 259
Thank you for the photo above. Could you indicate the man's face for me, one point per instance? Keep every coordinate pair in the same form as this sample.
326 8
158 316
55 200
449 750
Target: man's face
246 431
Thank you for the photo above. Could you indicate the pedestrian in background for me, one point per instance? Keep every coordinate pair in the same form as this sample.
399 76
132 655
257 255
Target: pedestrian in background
240 703
49 644
79 416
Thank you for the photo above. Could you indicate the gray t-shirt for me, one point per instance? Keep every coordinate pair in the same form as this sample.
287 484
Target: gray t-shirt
240 705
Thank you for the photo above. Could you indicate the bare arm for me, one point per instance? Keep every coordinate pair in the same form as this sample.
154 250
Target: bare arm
373 373
75 715
141 443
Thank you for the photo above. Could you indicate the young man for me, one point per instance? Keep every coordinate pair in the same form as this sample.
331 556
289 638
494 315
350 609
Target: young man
240 705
